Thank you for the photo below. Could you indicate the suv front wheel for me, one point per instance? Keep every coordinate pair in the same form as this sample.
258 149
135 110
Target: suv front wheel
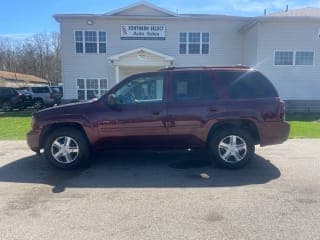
6 106
231 148
67 148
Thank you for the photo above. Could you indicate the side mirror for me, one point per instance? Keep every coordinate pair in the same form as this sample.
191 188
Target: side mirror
112 100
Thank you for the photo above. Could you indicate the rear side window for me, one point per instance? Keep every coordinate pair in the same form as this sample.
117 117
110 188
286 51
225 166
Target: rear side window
40 89
7 91
193 85
249 84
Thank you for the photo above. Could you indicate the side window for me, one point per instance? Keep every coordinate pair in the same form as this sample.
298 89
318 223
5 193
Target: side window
193 85
248 84
40 89
7 91
143 89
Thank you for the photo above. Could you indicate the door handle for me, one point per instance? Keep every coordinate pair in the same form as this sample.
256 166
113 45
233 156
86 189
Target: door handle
156 113
212 109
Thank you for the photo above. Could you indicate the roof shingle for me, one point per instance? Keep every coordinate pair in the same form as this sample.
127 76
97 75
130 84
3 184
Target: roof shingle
22 77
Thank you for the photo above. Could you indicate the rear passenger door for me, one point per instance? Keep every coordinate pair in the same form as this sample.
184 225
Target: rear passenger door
193 103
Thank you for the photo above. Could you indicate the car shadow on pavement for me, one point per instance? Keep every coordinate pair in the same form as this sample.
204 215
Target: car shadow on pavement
139 170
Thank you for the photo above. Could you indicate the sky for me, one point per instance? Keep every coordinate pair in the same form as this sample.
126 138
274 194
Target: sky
22 18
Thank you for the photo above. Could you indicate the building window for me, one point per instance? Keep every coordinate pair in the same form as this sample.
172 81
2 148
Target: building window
91 88
194 43
294 58
79 42
283 58
102 42
183 43
90 42
205 43
304 58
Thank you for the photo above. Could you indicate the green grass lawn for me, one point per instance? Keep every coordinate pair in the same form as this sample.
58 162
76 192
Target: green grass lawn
15 125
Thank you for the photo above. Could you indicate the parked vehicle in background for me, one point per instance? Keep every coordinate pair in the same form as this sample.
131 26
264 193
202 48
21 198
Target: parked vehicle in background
60 88
57 91
12 99
43 96
226 110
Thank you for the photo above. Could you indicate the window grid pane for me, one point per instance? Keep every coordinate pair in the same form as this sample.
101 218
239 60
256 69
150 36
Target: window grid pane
103 84
283 58
79 41
80 83
78 36
194 37
102 47
183 49
79 47
92 84
183 37
205 37
205 48
304 58
194 43
194 48
91 47
91 88
102 37
91 36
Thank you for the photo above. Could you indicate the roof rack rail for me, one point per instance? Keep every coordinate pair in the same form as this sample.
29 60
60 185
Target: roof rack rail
206 67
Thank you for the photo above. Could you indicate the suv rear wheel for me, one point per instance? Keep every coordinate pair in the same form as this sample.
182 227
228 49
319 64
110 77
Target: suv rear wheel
38 103
231 148
67 148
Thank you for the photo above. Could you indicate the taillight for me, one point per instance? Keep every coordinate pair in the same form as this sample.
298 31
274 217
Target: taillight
34 125
282 111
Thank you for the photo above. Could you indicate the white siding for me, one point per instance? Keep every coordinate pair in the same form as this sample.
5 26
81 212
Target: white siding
250 46
141 10
293 82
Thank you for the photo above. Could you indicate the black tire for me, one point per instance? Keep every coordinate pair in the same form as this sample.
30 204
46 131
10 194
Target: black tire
225 136
82 158
38 103
7 106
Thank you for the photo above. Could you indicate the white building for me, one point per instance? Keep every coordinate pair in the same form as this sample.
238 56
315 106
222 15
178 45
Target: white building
99 50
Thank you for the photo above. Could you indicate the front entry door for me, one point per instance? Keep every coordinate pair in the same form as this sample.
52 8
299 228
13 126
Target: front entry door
139 120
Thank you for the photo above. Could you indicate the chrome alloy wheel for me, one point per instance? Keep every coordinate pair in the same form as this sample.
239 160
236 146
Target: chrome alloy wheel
65 149
232 149
38 104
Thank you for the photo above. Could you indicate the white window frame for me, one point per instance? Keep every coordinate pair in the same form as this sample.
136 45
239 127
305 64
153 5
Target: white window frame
84 41
187 44
313 58
86 89
294 57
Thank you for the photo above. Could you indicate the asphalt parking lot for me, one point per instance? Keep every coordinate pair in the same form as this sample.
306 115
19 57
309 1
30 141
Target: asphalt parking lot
162 196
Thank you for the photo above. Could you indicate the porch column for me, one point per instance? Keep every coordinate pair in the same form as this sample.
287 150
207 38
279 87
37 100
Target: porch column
117 73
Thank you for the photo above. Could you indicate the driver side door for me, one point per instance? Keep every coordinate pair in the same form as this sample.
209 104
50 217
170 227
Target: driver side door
139 119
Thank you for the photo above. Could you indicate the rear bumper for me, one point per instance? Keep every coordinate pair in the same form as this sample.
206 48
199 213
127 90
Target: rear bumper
33 138
273 133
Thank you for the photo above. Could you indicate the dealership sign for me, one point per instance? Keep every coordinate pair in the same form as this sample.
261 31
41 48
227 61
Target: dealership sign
143 32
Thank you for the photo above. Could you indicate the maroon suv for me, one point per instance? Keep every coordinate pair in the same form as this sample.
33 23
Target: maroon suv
226 110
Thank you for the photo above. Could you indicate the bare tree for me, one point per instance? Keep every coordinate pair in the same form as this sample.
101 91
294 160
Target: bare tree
39 55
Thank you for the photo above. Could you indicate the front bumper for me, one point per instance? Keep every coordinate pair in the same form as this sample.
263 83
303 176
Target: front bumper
273 133
33 140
